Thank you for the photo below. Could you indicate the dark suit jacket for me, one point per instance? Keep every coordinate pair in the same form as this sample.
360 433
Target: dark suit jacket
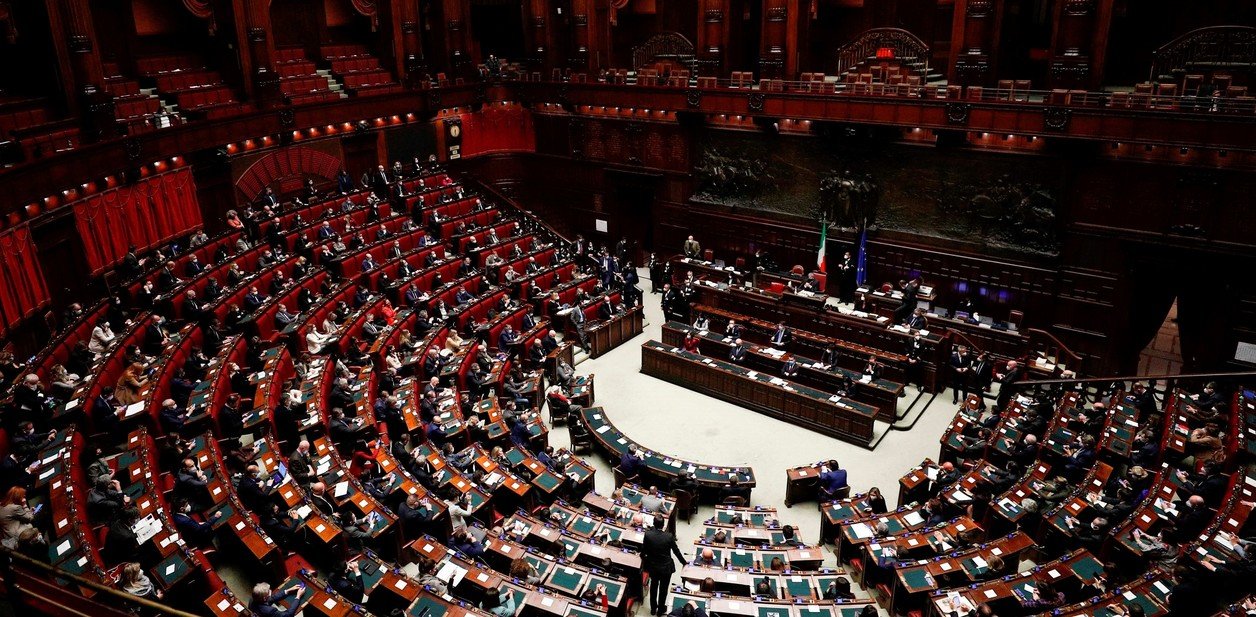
657 549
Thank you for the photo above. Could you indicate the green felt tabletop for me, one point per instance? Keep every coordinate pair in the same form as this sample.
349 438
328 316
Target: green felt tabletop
614 588
570 547
171 569
584 525
567 579
916 579
73 562
543 566
816 610
1158 589
563 516
370 580
798 586
547 481
426 604
515 456
1087 567
766 557
62 548
477 500
576 610
227 511
741 559
773 611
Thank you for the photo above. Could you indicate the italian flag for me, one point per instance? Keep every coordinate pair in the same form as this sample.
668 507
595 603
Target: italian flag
824 236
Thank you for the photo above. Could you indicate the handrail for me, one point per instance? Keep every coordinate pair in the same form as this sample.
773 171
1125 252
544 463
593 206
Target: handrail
1216 44
869 41
121 596
527 213
1072 357
1169 377
666 43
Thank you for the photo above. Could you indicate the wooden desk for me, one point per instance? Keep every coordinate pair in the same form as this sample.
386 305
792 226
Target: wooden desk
614 443
850 327
796 404
881 394
607 335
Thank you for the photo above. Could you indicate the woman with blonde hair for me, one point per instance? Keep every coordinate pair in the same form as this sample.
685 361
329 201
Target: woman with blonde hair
135 582
130 386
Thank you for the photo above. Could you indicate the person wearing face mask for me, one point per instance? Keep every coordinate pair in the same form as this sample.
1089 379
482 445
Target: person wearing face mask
196 532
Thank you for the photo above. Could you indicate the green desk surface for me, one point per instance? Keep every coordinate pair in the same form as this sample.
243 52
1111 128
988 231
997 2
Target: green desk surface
1159 589
515 456
370 580
849 611
773 611
584 525
818 610
741 559
227 511
61 549
477 500
973 569
74 562
608 434
1087 568
576 610
916 579
766 557
171 570
679 601
547 481
543 566
798 586
428 604
614 588
570 548
563 516
567 579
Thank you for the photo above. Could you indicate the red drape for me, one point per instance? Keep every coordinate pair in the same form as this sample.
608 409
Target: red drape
144 215
497 129
22 288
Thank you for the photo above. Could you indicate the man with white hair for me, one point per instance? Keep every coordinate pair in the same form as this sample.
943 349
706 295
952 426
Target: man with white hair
266 604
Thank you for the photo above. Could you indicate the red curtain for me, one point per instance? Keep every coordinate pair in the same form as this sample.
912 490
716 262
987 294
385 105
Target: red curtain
497 129
144 215
22 288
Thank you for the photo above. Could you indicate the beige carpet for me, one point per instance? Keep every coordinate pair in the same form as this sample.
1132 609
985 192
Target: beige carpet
677 421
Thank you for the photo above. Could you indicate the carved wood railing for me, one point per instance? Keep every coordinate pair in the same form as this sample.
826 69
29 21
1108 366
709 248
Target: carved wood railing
668 46
1214 47
904 44
1054 350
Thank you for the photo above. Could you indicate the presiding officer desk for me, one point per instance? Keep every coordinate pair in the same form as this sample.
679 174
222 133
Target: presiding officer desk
614 444
819 411
881 394
851 327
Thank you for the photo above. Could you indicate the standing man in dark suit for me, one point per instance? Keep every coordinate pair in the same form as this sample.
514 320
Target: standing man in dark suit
961 365
657 549
1008 377
982 370
846 278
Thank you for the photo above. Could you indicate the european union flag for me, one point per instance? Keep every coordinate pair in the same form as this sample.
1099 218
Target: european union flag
861 267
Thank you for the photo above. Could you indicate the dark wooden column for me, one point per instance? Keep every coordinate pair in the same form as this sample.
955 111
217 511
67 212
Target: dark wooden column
975 29
407 40
253 27
1079 43
778 45
713 37
539 35
457 24
591 35
83 79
